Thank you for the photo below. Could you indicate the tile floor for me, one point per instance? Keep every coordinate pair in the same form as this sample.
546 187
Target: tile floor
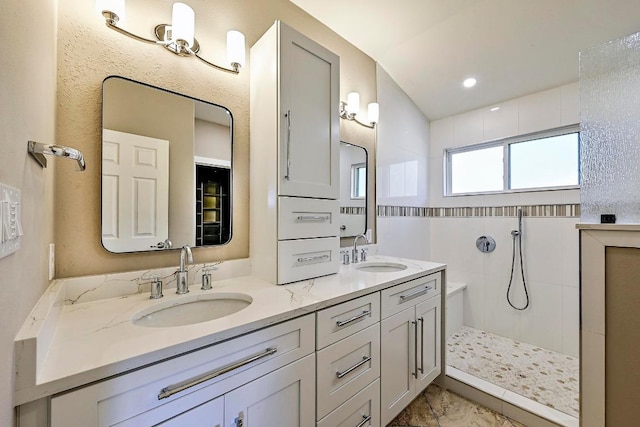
437 407
539 374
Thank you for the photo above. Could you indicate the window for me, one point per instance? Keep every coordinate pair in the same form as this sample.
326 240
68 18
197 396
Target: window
358 181
544 160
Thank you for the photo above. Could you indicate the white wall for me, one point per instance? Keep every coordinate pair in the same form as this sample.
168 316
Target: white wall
550 244
27 112
402 170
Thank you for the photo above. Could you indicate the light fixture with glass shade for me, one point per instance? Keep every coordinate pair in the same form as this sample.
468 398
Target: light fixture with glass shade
350 109
179 36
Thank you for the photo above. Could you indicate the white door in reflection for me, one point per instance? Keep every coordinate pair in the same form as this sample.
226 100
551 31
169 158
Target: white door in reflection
135 188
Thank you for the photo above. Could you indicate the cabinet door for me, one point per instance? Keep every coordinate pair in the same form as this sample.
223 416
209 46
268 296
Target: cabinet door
309 121
429 366
397 336
283 398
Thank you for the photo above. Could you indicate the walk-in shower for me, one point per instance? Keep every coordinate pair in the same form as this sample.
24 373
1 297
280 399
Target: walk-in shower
522 349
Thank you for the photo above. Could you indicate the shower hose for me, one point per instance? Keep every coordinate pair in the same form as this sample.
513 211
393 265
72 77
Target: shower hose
517 235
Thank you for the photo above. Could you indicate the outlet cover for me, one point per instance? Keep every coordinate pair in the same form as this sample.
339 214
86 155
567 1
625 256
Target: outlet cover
52 260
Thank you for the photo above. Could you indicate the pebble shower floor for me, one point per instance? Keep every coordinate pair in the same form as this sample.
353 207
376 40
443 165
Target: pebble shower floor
539 374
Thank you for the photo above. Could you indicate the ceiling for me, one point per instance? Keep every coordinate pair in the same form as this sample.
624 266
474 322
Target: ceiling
512 47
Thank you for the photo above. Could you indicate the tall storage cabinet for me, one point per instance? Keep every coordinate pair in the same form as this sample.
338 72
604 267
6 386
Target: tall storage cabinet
295 138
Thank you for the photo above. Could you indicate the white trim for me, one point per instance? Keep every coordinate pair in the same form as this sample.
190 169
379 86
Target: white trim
208 161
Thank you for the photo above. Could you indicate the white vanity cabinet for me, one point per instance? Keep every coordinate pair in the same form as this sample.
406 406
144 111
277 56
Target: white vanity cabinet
237 382
410 337
295 141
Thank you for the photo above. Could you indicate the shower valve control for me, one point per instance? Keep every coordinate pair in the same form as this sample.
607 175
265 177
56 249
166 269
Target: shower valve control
485 244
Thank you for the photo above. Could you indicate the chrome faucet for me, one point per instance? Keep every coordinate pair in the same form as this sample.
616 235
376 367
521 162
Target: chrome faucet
182 275
354 252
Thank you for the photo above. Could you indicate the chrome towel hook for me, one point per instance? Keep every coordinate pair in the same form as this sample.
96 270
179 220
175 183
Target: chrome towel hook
37 151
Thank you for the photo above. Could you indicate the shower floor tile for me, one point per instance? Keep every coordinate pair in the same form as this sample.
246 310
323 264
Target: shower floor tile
539 374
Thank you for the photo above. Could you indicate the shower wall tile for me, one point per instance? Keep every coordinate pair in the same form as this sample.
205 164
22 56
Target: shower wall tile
441 136
501 123
540 111
543 324
404 237
570 253
500 318
542 250
468 128
571 321
570 104
474 305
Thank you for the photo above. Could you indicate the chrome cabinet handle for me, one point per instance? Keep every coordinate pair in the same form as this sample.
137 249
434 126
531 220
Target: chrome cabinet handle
364 360
313 218
423 291
421 320
177 388
288 116
341 323
313 258
415 348
365 420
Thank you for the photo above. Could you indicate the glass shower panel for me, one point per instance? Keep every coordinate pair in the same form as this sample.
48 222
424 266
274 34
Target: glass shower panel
610 130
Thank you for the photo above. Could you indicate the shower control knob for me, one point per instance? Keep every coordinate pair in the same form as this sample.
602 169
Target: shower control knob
485 244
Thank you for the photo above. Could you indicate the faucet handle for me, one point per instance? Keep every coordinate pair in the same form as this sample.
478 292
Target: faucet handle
363 254
156 287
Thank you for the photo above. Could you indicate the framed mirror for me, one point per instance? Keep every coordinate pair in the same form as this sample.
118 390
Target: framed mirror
166 169
353 189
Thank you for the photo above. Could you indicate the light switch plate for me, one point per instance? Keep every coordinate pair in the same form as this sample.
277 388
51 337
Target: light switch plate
10 223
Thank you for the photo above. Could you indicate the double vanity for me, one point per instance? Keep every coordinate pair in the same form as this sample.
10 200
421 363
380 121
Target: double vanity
353 348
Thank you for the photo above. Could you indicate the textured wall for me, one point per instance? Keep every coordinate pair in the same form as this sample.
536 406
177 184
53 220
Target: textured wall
88 52
27 111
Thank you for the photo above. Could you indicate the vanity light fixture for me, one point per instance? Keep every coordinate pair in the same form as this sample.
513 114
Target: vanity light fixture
350 109
178 37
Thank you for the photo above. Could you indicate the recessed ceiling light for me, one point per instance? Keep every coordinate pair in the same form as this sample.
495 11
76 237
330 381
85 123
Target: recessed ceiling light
470 82
495 109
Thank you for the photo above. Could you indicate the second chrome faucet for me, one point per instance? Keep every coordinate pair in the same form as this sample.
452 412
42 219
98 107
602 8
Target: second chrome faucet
182 275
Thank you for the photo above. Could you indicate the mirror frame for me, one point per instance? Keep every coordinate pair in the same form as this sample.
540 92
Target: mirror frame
366 197
231 180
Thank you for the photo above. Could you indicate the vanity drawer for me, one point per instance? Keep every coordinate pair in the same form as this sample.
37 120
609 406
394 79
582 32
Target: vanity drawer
340 321
364 407
229 365
307 258
300 218
397 298
346 367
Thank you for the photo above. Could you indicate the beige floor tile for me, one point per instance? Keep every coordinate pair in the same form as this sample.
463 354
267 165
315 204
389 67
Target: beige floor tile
437 407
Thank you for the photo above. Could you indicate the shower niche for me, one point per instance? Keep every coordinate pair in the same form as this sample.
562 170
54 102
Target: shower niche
213 205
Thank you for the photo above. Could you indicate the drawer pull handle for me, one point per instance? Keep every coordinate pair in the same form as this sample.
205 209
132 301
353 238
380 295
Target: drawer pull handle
422 291
365 420
365 359
341 323
320 218
177 388
313 258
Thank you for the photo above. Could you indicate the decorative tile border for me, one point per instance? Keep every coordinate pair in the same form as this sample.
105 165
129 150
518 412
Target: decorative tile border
560 211
349 210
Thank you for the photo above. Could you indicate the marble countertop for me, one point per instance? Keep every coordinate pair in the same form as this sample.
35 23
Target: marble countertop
66 345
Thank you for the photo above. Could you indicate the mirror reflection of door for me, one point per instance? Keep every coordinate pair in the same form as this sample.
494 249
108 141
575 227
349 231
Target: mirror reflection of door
199 134
135 185
353 190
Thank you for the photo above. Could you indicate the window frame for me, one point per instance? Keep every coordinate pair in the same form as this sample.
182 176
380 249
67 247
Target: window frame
506 161
355 169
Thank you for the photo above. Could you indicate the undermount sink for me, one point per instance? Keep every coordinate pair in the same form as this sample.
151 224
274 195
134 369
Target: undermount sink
381 267
191 309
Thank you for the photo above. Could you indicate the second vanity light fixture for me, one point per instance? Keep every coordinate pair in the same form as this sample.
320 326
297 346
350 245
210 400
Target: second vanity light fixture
177 37
350 109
